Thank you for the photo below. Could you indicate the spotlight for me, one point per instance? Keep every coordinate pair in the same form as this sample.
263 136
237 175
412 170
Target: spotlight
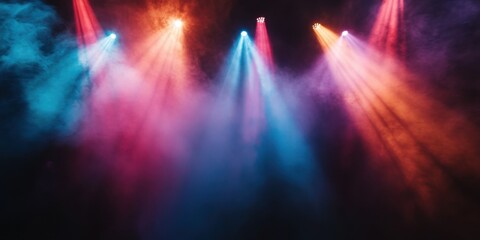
344 33
178 23
112 36
316 26
244 33
260 19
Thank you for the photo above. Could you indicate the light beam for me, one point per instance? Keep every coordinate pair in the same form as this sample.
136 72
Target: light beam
86 23
388 30
413 137
262 43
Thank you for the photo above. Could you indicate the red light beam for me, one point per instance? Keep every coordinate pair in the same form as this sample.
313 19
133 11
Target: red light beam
388 33
87 26
262 42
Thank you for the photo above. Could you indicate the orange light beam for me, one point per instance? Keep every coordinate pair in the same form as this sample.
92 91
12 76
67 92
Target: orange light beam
402 120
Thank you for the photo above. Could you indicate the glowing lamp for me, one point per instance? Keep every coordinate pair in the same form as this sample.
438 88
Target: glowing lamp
261 20
244 34
344 33
316 26
112 36
178 23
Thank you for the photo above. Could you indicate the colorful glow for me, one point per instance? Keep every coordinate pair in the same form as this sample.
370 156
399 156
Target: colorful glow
178 23
139 107
409 134
165 120
262 42
388 31
249 131
87 26
95 57
93 51
316 26
325 37
153 83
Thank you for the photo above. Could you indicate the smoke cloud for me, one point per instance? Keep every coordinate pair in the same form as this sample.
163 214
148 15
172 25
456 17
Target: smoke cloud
40 77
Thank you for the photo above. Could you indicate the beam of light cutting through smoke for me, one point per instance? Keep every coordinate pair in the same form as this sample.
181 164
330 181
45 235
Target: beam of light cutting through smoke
217 158
86 23
90 33
422 146
287 141
161 60
137 118
227 103
262 42
136 89
96 55
325 37
161 64
250 142
388 31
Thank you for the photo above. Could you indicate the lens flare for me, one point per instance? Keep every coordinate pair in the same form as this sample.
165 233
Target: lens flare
244 33
178 23
345 33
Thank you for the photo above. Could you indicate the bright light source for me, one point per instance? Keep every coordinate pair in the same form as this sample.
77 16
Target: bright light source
261 20
344 33
316 26
113 36
244 34
178 23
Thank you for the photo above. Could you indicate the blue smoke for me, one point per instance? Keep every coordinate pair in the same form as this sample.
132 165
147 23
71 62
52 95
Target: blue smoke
40 78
